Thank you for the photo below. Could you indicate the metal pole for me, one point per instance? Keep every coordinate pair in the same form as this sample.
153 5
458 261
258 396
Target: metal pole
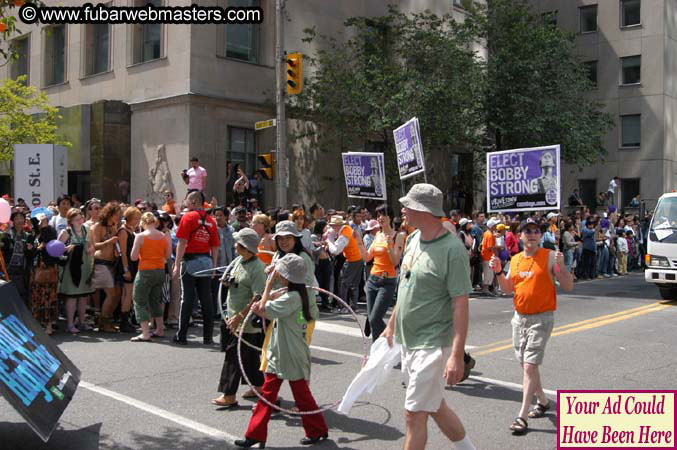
281 177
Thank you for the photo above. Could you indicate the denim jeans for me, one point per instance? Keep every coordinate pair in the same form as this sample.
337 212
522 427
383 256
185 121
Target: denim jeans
189 286
602 260
568 258
380 292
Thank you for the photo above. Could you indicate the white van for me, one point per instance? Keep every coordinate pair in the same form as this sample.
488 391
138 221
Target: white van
661 257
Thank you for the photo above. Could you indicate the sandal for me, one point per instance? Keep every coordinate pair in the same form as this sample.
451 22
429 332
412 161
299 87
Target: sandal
519 426
539 411
155 335
250 394
221 403
140 339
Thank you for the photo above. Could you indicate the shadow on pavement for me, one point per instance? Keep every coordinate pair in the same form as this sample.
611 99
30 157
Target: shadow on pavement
20 436
367 430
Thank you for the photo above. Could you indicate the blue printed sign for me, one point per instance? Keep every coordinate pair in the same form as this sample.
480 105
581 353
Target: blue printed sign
365 175
36 378
526 179
409 149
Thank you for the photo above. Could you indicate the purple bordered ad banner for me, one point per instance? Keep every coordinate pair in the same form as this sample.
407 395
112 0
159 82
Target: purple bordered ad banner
616 419
526 179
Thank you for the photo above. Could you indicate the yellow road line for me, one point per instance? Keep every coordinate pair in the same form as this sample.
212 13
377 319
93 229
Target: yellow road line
586 325
582 322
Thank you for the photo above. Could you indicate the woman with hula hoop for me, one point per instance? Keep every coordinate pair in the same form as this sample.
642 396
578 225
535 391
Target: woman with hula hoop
245 278
288 354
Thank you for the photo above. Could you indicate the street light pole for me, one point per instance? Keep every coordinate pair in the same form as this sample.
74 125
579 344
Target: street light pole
281 177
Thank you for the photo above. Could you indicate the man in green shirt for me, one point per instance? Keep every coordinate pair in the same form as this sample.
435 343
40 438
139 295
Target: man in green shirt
430 319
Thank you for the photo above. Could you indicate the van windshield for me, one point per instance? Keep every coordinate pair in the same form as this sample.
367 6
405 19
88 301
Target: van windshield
665 215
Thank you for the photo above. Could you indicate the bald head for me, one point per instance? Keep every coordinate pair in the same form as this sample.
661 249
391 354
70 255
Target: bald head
194 200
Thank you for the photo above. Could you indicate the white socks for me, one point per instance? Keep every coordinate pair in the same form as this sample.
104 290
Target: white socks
464 444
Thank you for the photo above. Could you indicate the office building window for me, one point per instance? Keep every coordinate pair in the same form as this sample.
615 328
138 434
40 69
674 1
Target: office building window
54 60
96 49
587 18
631 69
21 65
242 40
630 13
147 41
591 68
243 149
587 190
631 130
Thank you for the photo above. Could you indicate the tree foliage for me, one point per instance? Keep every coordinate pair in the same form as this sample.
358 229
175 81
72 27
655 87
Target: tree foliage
393 68
537 88
26 117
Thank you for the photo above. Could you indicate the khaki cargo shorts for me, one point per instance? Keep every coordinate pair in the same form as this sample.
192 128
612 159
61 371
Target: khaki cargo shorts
530 333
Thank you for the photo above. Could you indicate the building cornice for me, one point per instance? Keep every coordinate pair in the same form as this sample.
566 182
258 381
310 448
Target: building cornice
200 99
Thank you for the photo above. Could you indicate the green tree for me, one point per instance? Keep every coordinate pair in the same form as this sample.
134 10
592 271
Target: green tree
537 88
26 117
393 68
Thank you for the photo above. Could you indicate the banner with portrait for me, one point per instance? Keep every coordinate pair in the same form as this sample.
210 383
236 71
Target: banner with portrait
409 149
365 175
526 179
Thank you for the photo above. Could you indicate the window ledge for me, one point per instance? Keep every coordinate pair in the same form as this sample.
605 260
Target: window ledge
630 85
94 75
230 58
129 66
629 148
50 86
588 32
630 27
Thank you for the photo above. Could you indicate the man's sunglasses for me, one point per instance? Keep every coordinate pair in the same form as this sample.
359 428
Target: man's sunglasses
529 231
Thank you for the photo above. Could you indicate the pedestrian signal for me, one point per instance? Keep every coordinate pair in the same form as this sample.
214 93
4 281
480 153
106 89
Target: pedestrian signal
267 161
294 73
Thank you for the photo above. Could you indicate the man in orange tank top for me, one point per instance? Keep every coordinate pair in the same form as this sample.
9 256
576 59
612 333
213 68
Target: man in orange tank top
532 278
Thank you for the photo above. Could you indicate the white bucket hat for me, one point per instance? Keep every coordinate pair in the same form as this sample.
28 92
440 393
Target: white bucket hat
286 228
336 220
249 239
292 268
425 198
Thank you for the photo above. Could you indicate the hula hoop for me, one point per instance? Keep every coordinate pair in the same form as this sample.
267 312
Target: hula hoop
279 408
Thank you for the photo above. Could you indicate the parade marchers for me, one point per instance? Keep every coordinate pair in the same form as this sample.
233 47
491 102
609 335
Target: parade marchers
117 252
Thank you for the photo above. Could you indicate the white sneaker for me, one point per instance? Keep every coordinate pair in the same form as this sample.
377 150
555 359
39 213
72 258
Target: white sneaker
606 275
614 274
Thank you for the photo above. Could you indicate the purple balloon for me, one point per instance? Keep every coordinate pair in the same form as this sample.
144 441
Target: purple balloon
56 248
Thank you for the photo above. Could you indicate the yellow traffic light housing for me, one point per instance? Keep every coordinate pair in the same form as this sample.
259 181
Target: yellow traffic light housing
294 73
267 160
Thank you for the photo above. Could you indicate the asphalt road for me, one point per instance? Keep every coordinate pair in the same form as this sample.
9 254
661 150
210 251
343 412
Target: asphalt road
610 334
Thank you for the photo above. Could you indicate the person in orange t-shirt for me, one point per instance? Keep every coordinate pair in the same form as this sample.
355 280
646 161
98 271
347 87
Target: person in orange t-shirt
488 250
532 278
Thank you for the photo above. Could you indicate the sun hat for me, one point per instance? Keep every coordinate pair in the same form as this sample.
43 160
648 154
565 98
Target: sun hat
425 198
463 222
292 268
372 225
286 228
336 220
248 238
491 223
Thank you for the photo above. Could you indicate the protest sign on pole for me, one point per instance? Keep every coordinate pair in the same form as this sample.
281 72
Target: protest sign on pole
409 149
526 179
365 175
36 378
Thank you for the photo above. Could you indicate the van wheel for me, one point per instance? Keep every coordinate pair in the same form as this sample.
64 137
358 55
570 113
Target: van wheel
668 293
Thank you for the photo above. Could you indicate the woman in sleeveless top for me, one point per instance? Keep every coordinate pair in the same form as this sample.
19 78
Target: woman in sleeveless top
261 224
385 251
76 276
151 248
129 267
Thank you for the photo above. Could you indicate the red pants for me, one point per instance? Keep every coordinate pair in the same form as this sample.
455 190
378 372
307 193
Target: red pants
313 424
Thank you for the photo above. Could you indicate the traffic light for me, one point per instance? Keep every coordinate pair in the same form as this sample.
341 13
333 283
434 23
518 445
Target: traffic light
294 73
267 160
